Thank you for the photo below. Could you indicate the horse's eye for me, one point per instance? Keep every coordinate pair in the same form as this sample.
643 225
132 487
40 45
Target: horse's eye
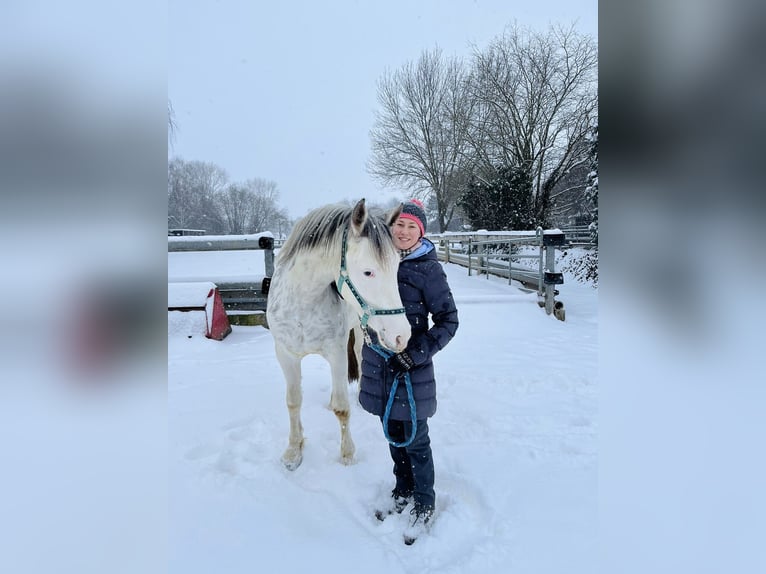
369 273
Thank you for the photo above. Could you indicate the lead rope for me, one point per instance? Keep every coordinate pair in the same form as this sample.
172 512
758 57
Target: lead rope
386 354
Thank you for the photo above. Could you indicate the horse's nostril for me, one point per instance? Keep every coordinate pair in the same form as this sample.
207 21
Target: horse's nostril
399 341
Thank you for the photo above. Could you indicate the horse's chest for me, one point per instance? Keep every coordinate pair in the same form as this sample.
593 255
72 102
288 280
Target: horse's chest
303 320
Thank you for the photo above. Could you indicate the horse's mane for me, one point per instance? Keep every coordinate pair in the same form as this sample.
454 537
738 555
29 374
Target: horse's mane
321 230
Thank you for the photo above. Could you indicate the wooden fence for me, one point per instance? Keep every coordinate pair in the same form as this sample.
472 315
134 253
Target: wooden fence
528 257
524 256
578 235
244 300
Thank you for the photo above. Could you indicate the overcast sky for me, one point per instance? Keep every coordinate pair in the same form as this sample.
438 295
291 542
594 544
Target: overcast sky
286 90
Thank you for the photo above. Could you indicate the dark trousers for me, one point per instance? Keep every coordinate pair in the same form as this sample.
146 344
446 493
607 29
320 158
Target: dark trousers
413 464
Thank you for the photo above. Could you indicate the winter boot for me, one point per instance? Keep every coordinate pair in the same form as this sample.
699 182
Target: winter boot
396 504
421 519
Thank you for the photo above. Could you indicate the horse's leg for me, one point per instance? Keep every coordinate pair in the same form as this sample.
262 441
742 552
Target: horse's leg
338 360
358 342
291 367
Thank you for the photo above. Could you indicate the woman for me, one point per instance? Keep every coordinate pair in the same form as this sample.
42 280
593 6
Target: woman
424 291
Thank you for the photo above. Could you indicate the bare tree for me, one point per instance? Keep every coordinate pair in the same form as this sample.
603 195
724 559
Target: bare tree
281 225
237 206
172 125
251 207
420 134
200 197
536 100
568 198
265 207
192 190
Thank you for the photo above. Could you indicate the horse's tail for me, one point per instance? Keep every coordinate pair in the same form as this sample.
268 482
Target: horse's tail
353 361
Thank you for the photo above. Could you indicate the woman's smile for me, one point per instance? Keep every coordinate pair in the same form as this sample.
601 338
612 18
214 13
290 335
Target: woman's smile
406 233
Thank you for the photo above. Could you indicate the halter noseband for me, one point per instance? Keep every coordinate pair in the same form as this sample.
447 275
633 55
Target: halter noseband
368 310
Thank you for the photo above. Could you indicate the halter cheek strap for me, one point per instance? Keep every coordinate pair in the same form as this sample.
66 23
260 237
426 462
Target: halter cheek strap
344 279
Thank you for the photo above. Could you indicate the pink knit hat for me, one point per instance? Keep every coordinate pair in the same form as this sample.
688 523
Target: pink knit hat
413 209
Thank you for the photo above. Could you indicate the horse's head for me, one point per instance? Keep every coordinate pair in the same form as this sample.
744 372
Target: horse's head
371 264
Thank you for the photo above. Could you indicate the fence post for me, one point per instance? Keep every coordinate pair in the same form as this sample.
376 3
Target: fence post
550 265
552 278
267 244
470 249
479 258
539 234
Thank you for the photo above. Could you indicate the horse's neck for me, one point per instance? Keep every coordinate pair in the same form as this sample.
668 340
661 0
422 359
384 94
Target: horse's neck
310 270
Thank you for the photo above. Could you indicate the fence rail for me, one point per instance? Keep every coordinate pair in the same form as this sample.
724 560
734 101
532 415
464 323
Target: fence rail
578 235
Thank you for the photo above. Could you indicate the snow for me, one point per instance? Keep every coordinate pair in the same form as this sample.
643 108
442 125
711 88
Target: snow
189 294
230 266
222 266
514 442
188 323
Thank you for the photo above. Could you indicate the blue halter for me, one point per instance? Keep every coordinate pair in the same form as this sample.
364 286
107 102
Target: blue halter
367 309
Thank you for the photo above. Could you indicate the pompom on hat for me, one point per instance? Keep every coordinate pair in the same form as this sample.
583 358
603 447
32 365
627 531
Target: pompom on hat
413 209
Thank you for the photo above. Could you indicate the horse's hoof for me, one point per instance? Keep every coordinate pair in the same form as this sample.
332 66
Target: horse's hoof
347 459
292 459
292 465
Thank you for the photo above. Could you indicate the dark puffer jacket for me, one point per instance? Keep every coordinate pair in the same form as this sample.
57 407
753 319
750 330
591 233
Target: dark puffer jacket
424 290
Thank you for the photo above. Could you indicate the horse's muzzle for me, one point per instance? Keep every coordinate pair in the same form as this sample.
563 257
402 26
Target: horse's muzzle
396 333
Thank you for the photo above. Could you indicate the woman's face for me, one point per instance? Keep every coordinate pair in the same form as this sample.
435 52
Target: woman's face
406 233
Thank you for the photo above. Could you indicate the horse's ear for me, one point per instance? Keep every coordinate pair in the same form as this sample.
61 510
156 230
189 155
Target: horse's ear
394 215
359 217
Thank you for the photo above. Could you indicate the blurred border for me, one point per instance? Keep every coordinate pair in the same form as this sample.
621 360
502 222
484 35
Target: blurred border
83 168
682 268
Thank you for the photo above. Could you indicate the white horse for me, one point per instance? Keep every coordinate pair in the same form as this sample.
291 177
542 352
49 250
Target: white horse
334 277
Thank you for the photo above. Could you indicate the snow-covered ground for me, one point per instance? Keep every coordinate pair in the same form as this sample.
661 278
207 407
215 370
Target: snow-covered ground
514 442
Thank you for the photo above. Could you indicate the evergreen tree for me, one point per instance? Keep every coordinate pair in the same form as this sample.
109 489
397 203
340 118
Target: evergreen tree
585 268
502 203
591 192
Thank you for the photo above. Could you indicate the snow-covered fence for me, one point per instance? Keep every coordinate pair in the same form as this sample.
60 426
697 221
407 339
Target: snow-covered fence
578 235
244 290
528 257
